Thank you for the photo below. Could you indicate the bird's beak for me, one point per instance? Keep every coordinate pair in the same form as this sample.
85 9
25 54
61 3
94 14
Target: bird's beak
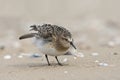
71 43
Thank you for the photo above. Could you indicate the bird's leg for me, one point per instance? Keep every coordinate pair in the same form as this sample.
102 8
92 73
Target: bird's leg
58 61
47 59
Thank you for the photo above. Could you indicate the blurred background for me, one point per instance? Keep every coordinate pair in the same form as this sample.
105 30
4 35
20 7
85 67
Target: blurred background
88 20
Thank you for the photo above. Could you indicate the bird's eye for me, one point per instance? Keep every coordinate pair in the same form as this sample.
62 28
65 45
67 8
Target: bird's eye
65 39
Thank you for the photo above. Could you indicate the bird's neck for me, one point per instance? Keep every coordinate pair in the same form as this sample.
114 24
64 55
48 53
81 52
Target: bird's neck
60 46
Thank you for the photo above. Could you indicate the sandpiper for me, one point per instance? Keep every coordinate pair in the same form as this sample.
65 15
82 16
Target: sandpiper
51 39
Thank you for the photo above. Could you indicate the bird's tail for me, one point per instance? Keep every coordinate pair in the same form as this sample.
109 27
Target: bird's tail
30 35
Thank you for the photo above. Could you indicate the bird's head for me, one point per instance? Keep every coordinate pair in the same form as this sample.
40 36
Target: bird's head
65 40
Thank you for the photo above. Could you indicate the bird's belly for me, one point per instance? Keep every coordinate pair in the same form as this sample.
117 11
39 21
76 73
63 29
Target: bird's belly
48 48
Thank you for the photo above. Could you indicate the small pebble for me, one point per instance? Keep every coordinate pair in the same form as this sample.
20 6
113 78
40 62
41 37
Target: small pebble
75 57
7 57
31 55
65 60
111 44
2 47
80 55
65 72
95 54
103 64
36 55
20 56
96 61
76 53
115 53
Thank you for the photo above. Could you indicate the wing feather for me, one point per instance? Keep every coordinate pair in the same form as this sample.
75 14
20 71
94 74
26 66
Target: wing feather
30 35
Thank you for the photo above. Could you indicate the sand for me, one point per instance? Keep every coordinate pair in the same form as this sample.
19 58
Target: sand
99 45
85 68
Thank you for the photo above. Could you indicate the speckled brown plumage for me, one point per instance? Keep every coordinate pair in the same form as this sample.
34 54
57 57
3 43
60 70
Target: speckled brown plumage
51 39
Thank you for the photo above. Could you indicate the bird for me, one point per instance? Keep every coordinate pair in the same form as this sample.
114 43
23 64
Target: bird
52 40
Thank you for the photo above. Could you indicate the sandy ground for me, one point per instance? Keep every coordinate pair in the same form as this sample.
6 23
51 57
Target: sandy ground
100 45
78 69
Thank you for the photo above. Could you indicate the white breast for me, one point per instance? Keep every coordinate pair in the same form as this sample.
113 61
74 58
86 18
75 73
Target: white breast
47 47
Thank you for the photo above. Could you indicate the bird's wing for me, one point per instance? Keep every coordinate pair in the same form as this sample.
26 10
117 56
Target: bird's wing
30 35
